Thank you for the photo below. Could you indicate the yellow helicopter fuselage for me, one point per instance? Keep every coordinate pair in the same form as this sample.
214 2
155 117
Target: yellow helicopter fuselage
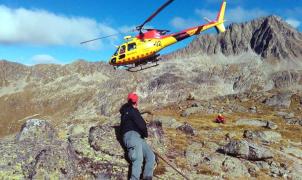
144 47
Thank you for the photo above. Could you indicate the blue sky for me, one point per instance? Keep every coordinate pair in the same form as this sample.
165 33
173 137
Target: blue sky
50 31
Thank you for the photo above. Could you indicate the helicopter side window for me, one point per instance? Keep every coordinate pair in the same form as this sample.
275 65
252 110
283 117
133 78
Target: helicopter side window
131 46
122 49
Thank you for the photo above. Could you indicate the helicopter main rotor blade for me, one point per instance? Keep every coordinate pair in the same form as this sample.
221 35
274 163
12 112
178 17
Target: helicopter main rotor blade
100 38
139 28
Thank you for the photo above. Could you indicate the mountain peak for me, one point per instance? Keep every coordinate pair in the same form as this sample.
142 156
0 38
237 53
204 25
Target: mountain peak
270 37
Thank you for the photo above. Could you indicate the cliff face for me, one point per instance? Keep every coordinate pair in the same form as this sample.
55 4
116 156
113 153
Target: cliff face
269 37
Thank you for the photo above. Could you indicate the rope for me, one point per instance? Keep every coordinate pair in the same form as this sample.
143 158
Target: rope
172 166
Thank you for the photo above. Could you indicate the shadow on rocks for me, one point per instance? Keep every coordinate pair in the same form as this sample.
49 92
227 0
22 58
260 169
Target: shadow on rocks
119 138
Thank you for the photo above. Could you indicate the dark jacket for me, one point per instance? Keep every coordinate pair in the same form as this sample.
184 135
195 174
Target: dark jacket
131 120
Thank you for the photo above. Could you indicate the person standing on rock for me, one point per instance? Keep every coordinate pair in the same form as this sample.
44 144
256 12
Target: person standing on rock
134 130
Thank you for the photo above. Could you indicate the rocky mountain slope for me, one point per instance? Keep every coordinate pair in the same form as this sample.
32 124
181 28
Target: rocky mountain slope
59 114
269 37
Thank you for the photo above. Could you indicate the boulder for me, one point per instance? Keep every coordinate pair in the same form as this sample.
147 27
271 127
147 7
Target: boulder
278 170
267 136
187 129
293 151
253 109
36 130
256 122
237 108
36 153
271 125
289 115
156 136
105 138
246 150
228 167
98 152
168 122
281 113
253 169
190 110
234 168
251 122
293 121
279 100
194 153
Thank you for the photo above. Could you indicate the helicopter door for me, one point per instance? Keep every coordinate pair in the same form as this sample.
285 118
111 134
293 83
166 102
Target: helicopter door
122 52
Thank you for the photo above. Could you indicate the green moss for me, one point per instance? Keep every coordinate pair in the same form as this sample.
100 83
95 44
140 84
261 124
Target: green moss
11 175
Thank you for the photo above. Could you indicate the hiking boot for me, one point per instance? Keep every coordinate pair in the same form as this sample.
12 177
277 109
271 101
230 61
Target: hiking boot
147 178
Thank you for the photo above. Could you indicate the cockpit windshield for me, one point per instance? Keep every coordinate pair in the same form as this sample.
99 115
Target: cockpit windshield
116 51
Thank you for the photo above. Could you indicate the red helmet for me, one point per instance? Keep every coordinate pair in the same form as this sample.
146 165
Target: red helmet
133 97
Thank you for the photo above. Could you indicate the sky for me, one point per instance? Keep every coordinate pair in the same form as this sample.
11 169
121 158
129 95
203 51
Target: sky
50 31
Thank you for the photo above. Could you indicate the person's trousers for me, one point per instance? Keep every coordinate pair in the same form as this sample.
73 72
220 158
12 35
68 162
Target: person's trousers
138 150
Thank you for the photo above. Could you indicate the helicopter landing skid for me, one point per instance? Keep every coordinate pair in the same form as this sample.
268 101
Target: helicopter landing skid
140 67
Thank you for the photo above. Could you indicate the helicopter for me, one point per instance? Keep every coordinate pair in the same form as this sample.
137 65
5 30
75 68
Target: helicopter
143 49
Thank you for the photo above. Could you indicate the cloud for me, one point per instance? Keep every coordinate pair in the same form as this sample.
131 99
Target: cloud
44 59
40 27
293 22
237 14
240 14
181 23
206 13
294 12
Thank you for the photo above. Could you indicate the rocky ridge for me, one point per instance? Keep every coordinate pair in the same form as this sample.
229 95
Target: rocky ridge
269 37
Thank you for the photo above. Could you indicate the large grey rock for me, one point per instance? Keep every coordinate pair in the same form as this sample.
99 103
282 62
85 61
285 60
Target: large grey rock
156 136
234 168
191 110
279 100
168 122
225 166
293 121
251 122
36 153
194 153
36 130
271 125
246 150
278 169
98 152
281 113
237 108
105 138
294 151
187 129
267 136
290 118
289 115
253 169
256 122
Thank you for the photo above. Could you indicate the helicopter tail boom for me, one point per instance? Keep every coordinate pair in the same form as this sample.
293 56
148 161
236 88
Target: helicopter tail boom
218 24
